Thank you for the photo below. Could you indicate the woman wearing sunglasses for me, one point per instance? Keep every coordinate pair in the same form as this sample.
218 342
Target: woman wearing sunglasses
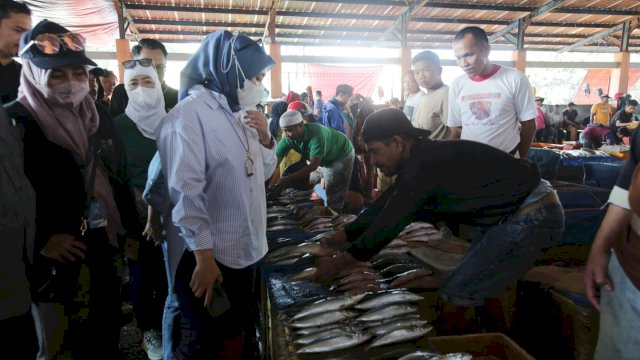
136 127
217 152
84 207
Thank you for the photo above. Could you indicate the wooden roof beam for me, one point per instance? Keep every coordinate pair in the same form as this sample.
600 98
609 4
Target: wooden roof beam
514 8
270 26
505 22
403 20
522 23
629 24
232 11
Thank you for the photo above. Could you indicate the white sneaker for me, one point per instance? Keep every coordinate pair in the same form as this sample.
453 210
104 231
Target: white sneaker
152 344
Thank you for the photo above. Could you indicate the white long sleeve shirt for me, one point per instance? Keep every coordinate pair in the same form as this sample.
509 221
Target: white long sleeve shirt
217 206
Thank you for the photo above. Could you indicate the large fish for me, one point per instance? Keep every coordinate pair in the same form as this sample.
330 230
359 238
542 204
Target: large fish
329 304
387 312
388 298
407 276
336 343
309 339
401 335
420 355
393 325
326 318
314 330
396 269
305 274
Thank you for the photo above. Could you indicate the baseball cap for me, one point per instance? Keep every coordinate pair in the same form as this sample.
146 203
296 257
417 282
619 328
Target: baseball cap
63 57
388 122
289 118
605 96
538 98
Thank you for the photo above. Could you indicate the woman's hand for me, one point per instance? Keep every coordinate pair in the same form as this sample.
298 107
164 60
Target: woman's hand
64 248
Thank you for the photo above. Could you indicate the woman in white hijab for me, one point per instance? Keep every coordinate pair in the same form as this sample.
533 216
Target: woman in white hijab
136 126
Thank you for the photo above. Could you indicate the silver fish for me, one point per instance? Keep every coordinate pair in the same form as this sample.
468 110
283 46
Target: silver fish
372 324
281 221
304 274
387 312
420 355
282 227
324 318
336 343
389 298
390 326
329 304
309 339
401 335
314 330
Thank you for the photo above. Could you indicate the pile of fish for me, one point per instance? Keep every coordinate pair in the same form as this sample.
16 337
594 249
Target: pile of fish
421 355
345 321
417 234
293 197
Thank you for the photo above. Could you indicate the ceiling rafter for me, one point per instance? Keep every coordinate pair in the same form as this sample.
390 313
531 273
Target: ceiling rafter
526 20
632 25
403 20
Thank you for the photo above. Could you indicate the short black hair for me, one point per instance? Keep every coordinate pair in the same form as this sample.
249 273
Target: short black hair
8 7
108 73
151 44
632 102
479 35
428 56
344 89
318 92
571 104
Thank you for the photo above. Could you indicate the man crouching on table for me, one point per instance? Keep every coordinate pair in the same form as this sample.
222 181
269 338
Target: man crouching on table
515 213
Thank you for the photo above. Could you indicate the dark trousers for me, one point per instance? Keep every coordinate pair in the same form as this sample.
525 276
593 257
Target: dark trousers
19 334
202 336
148 286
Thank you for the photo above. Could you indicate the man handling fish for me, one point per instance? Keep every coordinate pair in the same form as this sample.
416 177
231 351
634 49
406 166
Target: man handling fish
514 213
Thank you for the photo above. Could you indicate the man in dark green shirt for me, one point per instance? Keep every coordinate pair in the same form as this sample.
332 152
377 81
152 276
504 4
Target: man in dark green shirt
325 148
515 213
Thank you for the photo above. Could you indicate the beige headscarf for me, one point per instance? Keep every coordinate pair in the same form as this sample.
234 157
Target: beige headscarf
70 128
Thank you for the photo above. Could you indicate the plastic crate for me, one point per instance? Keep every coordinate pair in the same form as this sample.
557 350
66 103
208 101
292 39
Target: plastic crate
487 346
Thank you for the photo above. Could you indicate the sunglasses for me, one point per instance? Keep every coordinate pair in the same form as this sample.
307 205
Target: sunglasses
50 44
130 64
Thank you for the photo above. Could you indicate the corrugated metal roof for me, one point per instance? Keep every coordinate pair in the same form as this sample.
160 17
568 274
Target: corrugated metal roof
362 22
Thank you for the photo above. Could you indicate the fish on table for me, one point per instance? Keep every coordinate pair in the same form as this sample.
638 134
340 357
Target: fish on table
336 343
401 335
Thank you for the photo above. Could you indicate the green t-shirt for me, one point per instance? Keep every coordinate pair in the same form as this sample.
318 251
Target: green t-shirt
139 150
317 141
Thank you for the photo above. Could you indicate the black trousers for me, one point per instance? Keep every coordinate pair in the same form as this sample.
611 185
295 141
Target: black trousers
202 336
19 334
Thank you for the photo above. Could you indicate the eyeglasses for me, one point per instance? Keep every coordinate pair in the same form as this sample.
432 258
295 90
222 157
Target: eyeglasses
130 64
50 44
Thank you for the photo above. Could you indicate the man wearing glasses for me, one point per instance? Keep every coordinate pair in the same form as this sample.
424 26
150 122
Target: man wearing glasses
146 49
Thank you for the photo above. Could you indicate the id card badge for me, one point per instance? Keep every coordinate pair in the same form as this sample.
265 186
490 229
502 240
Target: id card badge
97 215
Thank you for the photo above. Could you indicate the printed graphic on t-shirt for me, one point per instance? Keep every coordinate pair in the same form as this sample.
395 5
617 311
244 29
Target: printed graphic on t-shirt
480 104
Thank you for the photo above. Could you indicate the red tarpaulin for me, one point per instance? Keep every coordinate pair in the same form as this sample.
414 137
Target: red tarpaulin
599 79
326 78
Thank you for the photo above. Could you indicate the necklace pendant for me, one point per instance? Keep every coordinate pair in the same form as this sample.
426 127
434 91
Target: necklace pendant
249 166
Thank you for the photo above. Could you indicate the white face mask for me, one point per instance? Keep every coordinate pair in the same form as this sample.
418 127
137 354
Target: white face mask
144 97
251 94
70 93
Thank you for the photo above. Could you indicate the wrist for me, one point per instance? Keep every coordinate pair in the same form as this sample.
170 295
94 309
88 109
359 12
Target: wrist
266 141
203 255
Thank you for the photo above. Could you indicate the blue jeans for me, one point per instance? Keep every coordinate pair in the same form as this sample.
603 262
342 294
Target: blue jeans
619 317
502 253
337 178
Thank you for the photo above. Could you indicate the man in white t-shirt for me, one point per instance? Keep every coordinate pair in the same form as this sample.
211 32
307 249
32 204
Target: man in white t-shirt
414 95
432 113
490 103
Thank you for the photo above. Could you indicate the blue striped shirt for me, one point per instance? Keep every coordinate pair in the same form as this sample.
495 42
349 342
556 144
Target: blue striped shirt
217 206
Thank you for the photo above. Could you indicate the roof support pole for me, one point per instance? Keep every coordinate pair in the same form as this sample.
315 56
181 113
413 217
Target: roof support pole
276 70
620 76
122 44
405 52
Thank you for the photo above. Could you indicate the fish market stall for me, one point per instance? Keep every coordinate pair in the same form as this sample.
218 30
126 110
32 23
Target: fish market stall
382 309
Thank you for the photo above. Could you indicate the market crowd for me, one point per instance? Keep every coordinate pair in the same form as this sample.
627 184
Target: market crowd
170 185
